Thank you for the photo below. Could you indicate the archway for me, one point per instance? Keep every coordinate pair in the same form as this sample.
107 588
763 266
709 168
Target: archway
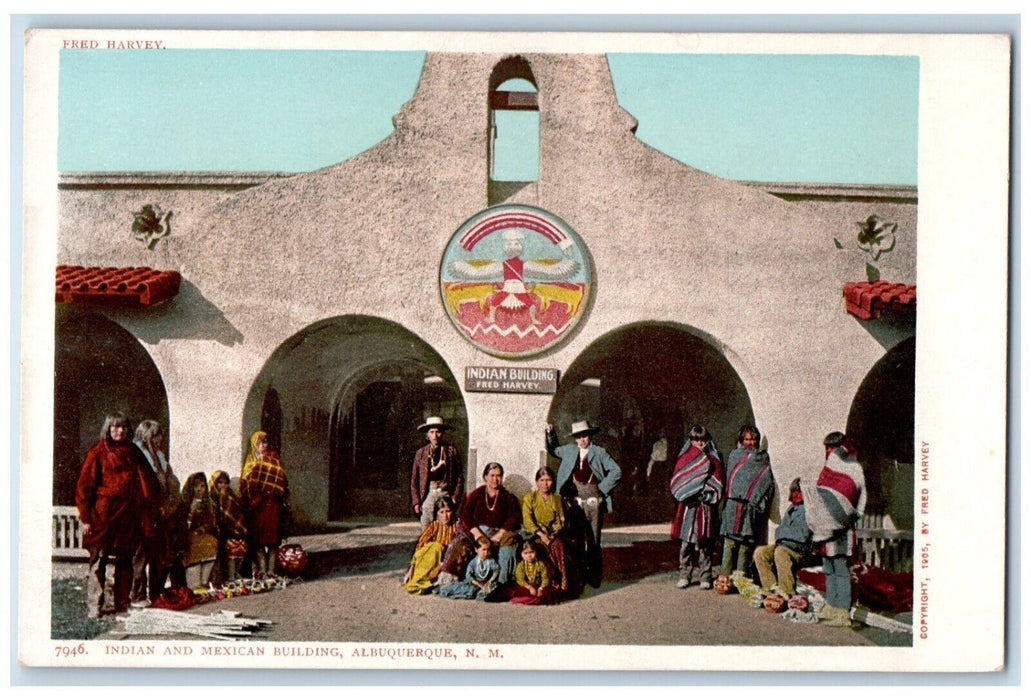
99 368
343 398
881 424
642 383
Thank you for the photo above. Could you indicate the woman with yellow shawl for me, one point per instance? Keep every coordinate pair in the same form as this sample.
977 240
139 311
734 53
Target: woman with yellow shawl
544 521
263 490
431 549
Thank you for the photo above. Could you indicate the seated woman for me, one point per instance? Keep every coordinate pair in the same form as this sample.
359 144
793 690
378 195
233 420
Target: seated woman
492 513
544 521
202 531
430 550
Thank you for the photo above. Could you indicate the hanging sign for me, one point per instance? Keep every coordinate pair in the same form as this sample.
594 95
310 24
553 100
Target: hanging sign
511 380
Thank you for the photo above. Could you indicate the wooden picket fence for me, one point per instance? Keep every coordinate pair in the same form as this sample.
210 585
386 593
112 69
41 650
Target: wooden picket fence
883 545
67 534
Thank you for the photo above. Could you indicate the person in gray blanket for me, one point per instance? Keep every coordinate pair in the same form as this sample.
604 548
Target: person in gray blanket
749 490
776 562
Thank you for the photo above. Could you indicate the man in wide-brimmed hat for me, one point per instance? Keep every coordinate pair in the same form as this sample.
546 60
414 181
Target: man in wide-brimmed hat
587 474
437 471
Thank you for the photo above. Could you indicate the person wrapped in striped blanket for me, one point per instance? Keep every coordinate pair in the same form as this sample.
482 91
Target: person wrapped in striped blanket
697 485
834 503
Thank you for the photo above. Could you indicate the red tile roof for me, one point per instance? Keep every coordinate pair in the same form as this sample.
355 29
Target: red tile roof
118 286
866 300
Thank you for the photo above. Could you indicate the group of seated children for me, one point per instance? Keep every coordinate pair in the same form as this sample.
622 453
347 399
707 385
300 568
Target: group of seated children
532 584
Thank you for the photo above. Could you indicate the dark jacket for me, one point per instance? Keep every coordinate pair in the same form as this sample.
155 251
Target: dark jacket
454 474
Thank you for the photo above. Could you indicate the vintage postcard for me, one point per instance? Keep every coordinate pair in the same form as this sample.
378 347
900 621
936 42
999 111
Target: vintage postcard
514 351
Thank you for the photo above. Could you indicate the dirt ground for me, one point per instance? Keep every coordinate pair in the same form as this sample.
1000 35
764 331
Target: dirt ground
354 594
651 611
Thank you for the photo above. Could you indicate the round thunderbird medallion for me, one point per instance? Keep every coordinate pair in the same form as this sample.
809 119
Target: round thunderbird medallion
515 280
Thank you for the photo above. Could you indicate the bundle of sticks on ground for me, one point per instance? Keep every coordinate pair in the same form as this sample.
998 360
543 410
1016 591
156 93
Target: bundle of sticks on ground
221 625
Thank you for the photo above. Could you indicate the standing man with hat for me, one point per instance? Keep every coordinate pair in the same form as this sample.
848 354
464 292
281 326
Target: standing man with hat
437 471
587 474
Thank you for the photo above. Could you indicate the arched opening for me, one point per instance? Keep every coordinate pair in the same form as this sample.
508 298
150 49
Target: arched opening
513 144
643 383
99 368
348 394
881 423
272 419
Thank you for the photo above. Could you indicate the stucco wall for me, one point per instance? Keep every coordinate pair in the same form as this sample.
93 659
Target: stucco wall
757 276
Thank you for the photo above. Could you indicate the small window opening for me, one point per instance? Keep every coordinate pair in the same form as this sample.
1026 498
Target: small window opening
514 140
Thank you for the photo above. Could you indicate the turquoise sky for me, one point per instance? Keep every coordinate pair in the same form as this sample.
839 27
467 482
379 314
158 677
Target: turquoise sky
750 117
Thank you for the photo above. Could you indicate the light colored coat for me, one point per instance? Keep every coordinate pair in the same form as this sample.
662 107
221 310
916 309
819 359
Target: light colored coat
600 461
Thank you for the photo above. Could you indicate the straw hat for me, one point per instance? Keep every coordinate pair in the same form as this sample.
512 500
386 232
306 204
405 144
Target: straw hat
434 422
583 427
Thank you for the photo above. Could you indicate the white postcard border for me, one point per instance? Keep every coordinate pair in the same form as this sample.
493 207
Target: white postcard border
961 347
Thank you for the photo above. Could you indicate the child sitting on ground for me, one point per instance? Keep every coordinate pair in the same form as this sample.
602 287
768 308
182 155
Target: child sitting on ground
481 576
532 586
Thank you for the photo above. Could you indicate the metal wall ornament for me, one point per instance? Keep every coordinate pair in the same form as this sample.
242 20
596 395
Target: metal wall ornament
876 237
515 280
151 224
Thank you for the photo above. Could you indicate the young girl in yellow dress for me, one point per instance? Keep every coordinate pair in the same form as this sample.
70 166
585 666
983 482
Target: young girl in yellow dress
532 586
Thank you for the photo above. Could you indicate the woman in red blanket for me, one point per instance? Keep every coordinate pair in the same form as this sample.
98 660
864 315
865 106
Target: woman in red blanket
118 498
263 490
834 504
749 490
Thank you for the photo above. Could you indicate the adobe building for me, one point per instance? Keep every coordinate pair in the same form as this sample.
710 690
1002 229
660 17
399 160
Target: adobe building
337 309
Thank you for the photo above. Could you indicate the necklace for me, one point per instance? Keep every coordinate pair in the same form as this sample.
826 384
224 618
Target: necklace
482 568
486 500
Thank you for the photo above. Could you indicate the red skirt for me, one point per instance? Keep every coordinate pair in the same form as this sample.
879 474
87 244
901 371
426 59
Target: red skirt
264 524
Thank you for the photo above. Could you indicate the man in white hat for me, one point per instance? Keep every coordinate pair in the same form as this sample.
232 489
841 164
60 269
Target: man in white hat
587 474
437 471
